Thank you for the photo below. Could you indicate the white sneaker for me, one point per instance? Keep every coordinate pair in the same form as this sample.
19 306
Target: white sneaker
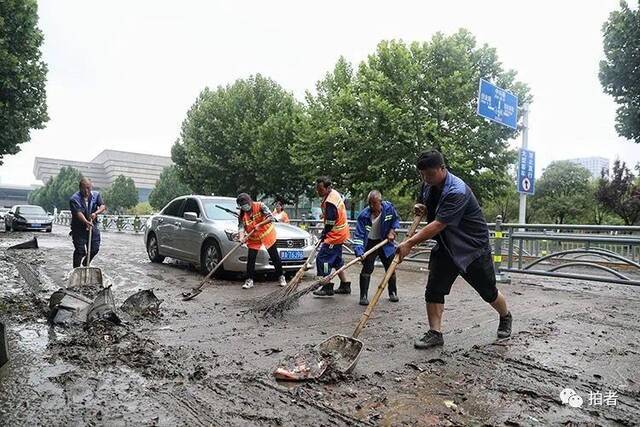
282 281
248 284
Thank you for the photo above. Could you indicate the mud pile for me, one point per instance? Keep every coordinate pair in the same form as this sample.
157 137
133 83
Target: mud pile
142 304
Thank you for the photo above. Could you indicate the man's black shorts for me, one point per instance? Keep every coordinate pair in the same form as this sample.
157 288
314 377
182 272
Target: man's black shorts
443 272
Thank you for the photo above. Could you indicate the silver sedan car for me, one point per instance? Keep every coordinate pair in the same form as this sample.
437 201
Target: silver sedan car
200 230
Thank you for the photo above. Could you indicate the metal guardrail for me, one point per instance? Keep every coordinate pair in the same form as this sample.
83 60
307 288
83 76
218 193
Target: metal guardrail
518 248
119 223
609 249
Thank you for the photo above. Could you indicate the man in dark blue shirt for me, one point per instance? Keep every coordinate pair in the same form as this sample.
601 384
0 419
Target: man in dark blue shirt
85 207
462 235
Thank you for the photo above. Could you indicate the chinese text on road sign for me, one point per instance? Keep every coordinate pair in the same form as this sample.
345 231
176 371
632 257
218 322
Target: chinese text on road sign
526 171
497 104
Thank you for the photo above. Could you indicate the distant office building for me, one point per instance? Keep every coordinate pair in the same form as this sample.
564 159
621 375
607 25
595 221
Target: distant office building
144 169
15 194
593 164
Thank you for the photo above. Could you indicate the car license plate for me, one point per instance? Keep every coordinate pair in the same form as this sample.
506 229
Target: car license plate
35 224
291 255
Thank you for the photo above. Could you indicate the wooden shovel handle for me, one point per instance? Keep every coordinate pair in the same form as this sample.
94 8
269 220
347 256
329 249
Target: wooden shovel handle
293 284
214 269
354 261
392 268
89 245
323 280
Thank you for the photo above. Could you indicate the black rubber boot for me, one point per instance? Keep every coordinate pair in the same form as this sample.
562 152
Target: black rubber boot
364 288
344 288
325 290
393 290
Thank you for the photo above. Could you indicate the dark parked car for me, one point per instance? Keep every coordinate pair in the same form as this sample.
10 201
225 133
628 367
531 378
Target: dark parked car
27 217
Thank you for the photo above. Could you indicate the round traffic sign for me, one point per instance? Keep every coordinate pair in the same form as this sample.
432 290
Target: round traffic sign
526 184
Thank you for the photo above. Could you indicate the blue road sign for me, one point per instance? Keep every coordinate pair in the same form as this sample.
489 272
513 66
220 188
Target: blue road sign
526 171
497 104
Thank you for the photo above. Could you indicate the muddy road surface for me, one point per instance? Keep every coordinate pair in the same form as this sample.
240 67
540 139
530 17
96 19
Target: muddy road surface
209 362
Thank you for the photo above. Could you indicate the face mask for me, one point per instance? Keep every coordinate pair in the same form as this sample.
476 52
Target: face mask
245 208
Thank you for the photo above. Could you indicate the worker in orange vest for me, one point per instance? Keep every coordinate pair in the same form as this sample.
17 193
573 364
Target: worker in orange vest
335 233
280 214
251 215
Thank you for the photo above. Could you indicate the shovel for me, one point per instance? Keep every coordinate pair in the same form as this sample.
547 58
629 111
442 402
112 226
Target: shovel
342 351
186 296
83 276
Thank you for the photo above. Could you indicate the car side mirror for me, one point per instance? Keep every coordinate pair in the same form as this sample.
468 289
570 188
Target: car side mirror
10 212
191 216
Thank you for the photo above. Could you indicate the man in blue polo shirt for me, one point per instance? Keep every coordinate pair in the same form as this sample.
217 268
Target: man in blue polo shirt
456 222
376 222
85 207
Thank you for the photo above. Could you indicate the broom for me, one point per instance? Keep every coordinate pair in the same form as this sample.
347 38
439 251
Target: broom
279 306
291 287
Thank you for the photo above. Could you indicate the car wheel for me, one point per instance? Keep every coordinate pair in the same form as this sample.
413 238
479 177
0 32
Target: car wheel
6 227
153 250
210 257
48 230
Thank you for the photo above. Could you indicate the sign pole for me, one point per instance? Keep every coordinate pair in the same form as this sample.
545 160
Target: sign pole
522 212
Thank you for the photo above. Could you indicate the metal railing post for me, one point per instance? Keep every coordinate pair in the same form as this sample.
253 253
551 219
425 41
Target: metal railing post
501 277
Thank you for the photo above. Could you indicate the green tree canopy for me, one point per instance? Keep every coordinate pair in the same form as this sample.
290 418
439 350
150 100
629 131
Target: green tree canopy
366 127
167 188
562 193
121 195
620 70
505 203
22 75
237 139
58 190
620 193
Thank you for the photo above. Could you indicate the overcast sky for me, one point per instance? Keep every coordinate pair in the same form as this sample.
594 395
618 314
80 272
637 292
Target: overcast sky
122 74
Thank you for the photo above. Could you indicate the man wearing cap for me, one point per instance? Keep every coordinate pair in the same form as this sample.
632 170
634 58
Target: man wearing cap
257 216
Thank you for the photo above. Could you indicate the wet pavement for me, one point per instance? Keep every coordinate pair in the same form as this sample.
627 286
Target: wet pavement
209 362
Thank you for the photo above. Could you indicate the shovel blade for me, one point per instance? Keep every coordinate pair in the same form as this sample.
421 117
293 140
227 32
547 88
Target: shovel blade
186 296
83 276
343 351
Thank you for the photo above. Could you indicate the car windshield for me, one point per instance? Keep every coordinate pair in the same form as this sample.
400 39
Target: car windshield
214 209
30 210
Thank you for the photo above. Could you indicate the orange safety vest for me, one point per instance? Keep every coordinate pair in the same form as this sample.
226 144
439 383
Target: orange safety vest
281 217
265 234
340 231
